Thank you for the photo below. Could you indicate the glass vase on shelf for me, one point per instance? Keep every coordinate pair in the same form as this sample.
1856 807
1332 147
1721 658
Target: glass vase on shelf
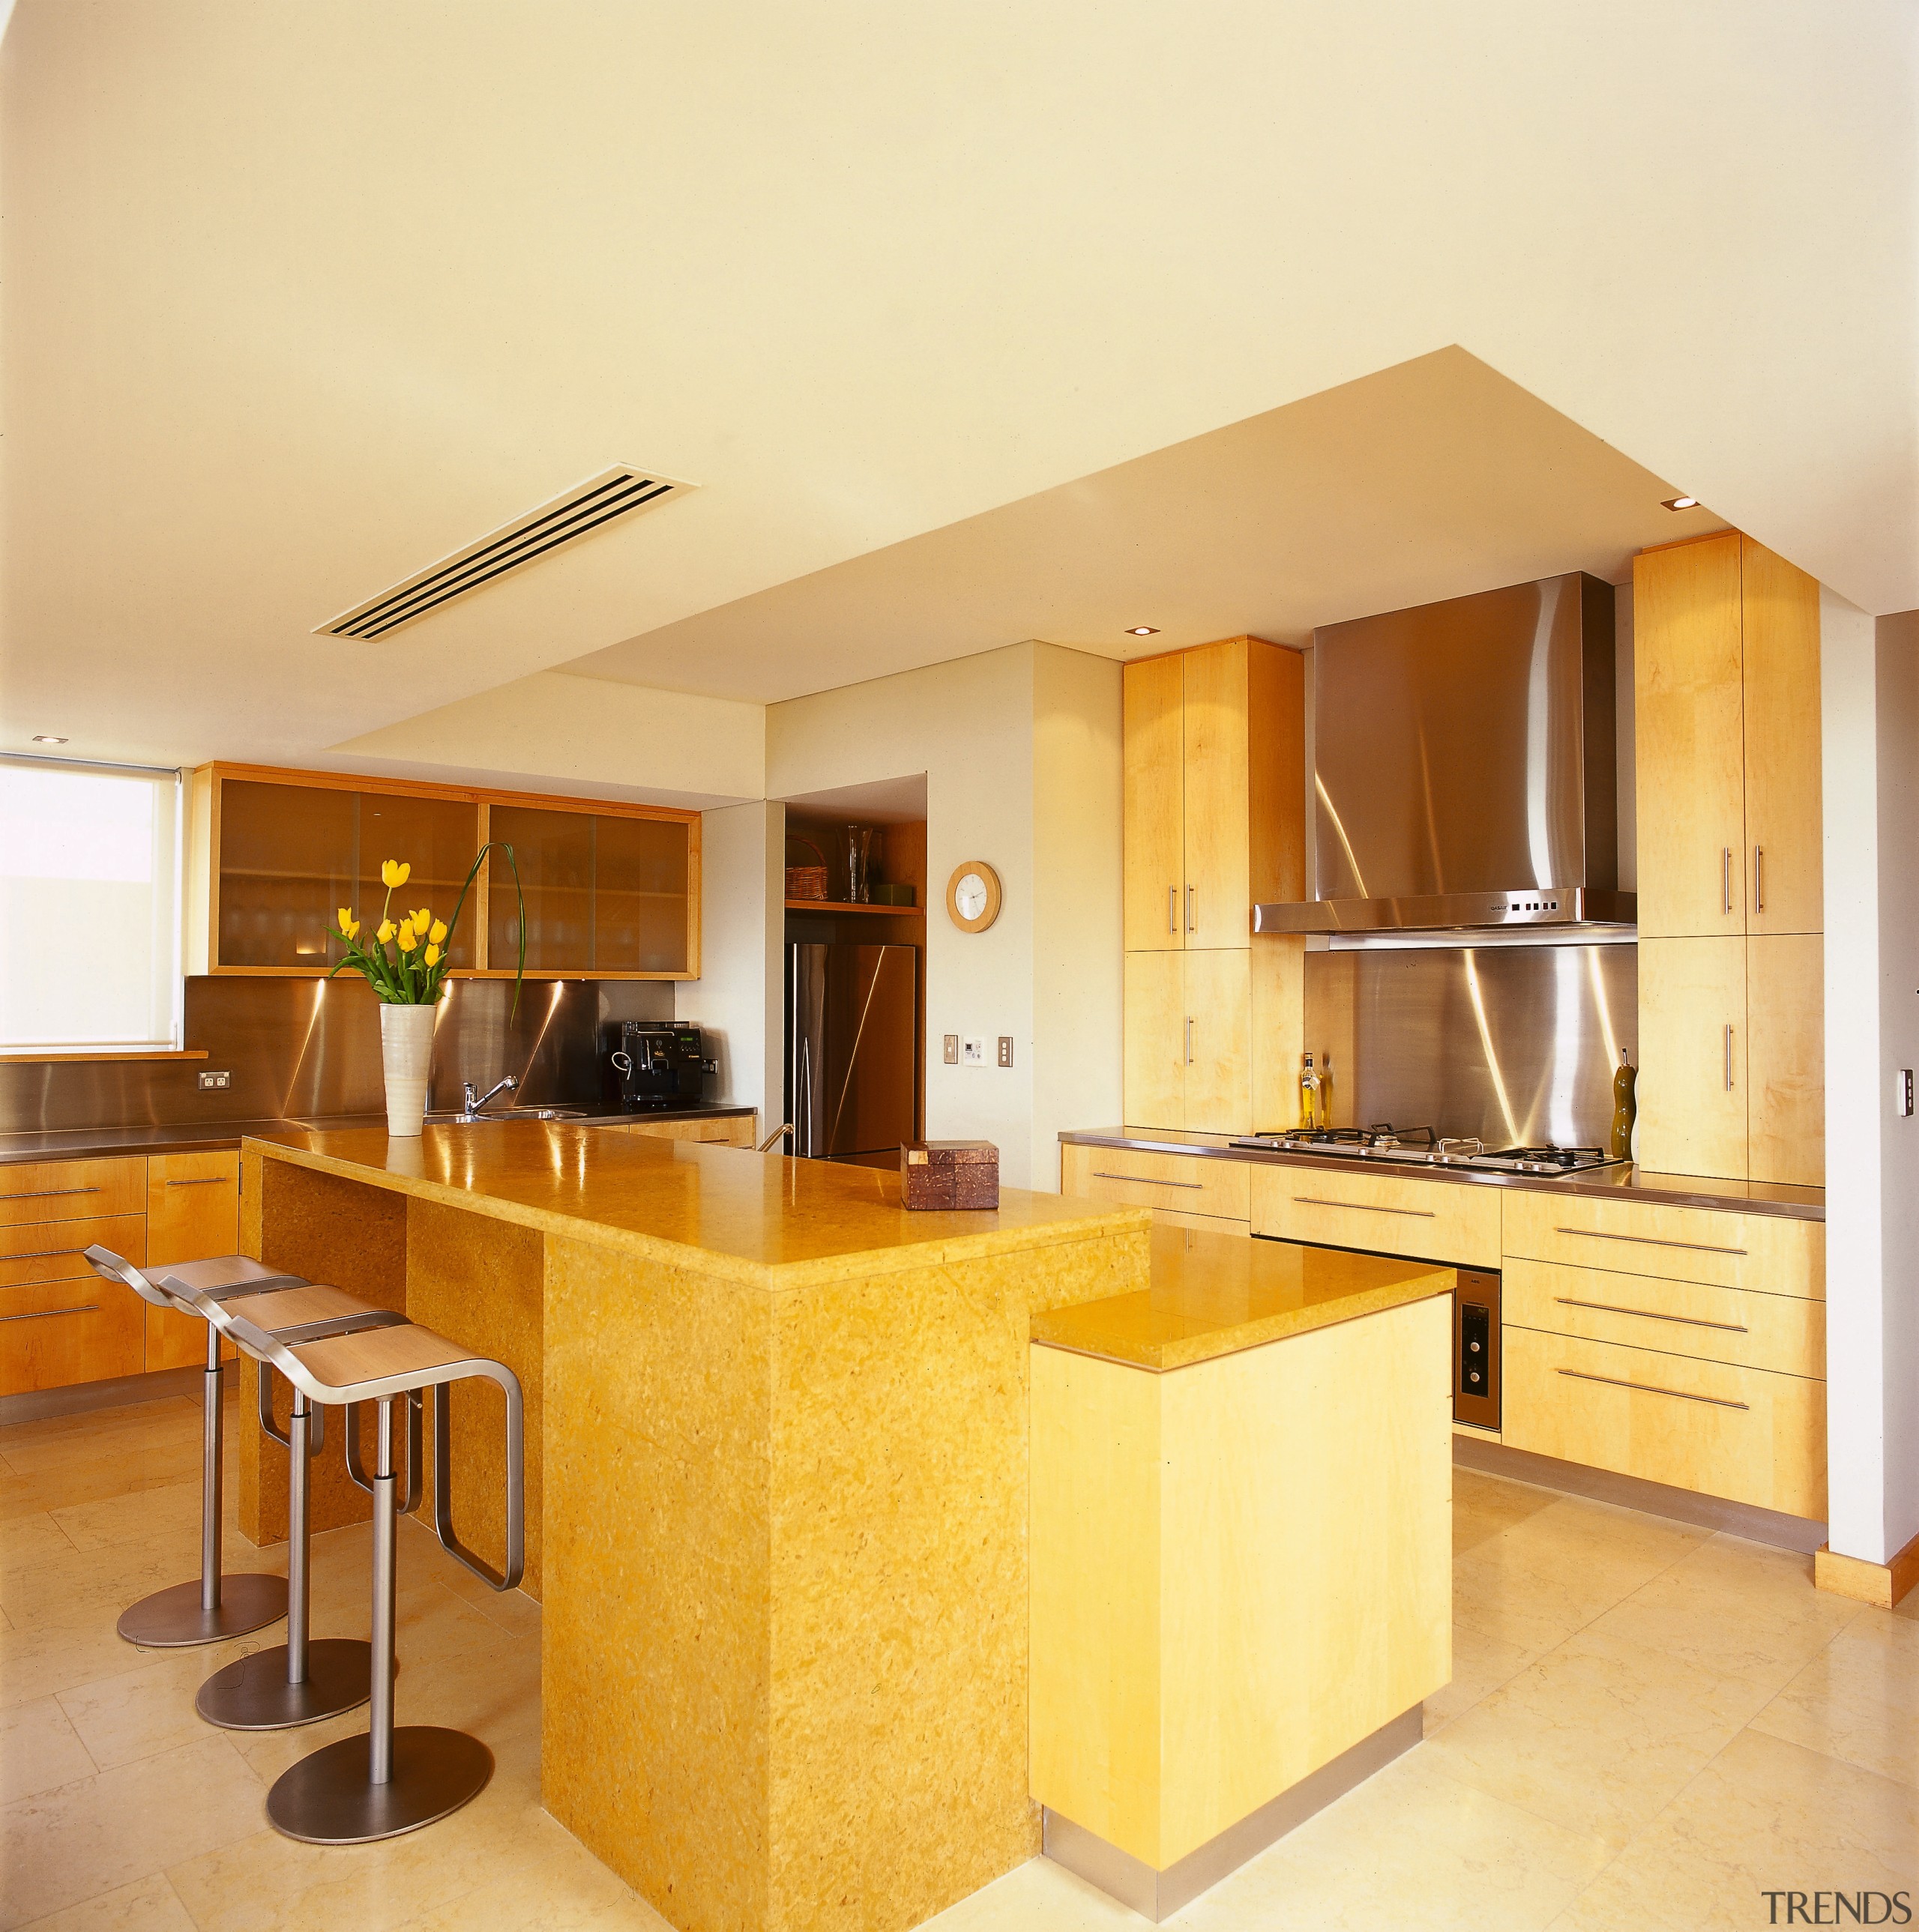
859 864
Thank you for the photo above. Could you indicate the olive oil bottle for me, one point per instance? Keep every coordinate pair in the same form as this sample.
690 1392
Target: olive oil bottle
1312 1114
1625 1107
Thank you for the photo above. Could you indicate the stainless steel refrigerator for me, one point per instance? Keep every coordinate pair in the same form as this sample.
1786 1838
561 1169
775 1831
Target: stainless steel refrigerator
851 1023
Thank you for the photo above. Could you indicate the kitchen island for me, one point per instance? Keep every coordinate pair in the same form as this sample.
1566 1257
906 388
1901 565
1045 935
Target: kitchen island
776 1485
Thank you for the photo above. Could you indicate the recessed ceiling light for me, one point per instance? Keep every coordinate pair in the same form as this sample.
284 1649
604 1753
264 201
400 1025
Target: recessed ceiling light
1680 503
1144 630
47 738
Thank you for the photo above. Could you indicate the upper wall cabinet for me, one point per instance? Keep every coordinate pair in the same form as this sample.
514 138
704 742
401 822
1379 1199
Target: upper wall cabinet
1213 742
1726 687
612 890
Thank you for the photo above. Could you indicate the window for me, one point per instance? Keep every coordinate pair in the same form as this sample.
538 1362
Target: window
89 907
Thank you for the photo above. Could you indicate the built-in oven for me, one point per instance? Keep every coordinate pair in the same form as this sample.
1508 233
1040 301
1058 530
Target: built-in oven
1475 1350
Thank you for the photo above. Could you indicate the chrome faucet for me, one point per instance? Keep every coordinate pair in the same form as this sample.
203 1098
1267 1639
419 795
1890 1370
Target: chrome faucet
476 1099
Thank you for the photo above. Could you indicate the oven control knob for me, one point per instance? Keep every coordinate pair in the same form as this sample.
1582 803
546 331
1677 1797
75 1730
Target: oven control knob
1474 1346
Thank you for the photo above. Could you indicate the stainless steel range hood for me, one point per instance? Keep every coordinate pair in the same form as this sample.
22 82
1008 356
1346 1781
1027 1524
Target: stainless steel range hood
1463 767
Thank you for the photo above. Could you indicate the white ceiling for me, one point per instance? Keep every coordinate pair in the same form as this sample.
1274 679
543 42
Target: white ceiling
298 299
1430 480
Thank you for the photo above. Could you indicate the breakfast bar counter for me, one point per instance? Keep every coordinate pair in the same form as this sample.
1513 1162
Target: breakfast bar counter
776 1485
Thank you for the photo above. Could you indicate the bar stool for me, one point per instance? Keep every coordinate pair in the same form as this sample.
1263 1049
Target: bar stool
388 1781
307 1678
217 1606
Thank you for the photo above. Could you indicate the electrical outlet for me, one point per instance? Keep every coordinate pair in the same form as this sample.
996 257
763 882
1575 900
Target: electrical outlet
974 1053
952 1040
1905 1092
1006 1049
215 1083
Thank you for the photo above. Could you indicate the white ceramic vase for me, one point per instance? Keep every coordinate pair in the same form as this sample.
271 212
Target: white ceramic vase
406 1051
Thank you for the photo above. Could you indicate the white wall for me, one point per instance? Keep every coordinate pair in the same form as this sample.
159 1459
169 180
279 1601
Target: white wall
1869 742
1001 737
737 996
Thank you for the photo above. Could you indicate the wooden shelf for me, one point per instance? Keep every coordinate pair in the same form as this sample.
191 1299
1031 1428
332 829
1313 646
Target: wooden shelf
841 905
132 1053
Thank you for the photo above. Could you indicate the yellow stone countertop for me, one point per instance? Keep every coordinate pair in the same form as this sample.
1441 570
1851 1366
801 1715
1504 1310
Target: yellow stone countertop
759 1219
1214 1294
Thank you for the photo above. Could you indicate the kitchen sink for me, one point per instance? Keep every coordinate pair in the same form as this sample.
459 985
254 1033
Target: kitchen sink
511 1114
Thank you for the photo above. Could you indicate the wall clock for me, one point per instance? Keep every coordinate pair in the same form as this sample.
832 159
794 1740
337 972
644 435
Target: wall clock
972 896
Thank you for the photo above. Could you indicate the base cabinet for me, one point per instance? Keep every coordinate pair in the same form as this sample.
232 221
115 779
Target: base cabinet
1208 1034
193 1214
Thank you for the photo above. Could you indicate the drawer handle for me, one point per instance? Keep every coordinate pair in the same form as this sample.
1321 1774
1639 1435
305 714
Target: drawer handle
46 1314
41 1254
1145 1180
1652 1314
1653 1388
1649 1241
205 1180
1365 1207
48 1193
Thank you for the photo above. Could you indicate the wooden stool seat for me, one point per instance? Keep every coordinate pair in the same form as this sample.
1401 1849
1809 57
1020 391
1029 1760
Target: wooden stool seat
356 1366
278 1310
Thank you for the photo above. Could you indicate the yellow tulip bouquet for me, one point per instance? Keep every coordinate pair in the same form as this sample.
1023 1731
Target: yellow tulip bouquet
405 961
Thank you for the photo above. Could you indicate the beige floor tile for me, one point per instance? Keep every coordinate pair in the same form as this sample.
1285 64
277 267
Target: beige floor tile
135 1516
147 1905
1741 1608
1483 1506
1039 1896
1766 1814
1597 1736
39 1749
1480 1664
42 1658
138 1422
77 1840
1410 1847
1858 1699
559 1887
30 1537
148 1708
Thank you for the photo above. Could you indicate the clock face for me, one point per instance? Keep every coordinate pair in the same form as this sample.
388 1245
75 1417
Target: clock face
970 895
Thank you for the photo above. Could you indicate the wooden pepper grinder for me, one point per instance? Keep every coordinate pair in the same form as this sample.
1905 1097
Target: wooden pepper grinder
1625 1107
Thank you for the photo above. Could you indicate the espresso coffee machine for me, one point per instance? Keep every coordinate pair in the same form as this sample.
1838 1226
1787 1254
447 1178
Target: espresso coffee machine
658 1064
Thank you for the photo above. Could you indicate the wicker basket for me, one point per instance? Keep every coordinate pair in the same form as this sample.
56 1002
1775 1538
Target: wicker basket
806 882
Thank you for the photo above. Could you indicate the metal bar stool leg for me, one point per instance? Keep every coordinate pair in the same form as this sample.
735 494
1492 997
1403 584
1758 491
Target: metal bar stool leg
215 1607
387 1780
305 1678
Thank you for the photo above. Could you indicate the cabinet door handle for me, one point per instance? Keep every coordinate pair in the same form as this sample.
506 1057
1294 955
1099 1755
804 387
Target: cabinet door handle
1365 1207
1728 1058
1653 1388
1726 877
41 1254
1189 1039
48 1193
46 1314
1651 1314
1173 908
1145 1180
1758 878
1649 1241
204 1180
1190 926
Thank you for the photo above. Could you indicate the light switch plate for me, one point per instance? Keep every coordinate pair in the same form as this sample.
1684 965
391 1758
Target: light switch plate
1905 1091
212 1083
952 1040
974 1053
1006 1049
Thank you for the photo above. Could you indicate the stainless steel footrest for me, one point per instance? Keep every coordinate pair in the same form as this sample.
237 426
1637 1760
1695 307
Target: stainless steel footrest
177 1619
329 1799
252 1694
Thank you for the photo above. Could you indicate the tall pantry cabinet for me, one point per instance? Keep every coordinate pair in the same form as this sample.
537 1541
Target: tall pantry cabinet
1215 790
1731 1013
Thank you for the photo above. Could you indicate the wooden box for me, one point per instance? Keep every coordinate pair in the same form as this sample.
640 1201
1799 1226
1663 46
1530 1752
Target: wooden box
950 1173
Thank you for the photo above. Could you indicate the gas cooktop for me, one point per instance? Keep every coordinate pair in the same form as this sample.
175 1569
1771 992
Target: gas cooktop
1420 1147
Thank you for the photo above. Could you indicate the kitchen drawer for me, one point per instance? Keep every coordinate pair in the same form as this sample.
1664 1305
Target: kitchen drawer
1435 1220
71 1190
1769 1253
52 1250
1190 1184
1744 1434
193 1214
53 1333
1779 1332
737 1131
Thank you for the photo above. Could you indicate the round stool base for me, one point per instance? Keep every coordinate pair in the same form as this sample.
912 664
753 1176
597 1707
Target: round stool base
252 1693
325 1799
174 1619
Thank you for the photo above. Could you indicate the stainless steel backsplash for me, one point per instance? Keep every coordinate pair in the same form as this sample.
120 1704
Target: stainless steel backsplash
1516 1044
301 1048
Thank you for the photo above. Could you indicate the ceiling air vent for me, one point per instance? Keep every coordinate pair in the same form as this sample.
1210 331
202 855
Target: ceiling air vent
587 507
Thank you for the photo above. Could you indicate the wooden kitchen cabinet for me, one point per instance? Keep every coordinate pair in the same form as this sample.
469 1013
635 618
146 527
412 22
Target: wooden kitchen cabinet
1152 722
1726 657
1196 1025
612 890
1155 1065
193 1214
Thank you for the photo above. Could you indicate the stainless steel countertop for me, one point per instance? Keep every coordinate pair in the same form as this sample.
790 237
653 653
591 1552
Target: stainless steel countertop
1625 1182
212 1136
